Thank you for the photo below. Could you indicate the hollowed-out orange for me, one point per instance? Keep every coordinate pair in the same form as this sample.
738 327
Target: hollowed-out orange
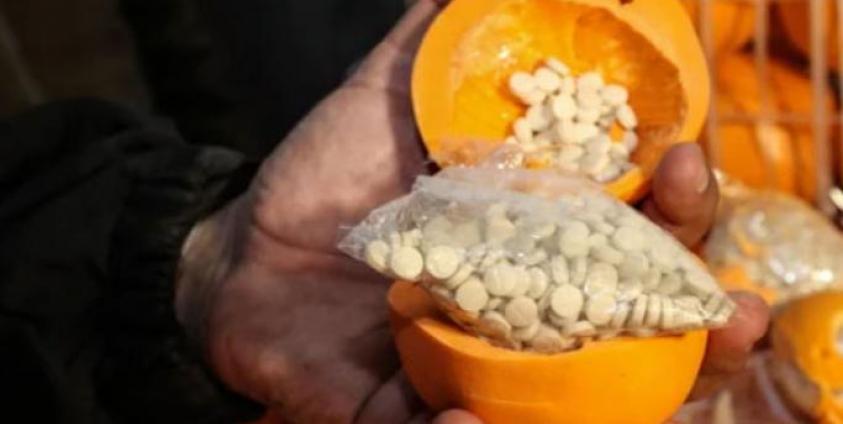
459 85
617 381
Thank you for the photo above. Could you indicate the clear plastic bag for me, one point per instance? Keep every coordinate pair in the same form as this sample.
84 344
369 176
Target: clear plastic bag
785 248
538 261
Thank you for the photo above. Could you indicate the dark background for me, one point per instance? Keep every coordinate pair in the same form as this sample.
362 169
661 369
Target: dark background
237 73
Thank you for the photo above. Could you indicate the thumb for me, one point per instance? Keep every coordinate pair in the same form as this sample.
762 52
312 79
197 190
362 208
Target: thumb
389 65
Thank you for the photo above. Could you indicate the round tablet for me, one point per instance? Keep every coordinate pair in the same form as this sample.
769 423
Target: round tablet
573 239
406 262
654 311
629 289
471 296
499 230
559 270
689 303
622 311
566 302
541 231
411 238
500 279
599 308
548 340
629 239
663 255
496 322
608 254
523 282
494 304
639 309
526 333
538 283
652 279
602 278
670 284
441 262
580 329
700 283
535 257
579 271
377 255
635 264
521 311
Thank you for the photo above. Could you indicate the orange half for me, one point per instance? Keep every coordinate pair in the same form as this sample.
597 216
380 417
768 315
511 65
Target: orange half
459 87
619 381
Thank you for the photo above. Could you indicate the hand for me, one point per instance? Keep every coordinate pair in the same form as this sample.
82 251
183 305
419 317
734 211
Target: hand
291 322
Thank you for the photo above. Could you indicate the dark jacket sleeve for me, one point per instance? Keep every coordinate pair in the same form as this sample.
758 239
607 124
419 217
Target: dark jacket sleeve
95 202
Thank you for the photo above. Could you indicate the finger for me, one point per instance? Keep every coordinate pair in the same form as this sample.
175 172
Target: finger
729 347
684 195
389 65
393 402
456 416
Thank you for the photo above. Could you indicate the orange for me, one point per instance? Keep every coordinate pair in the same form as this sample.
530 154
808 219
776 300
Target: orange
618 381
459 85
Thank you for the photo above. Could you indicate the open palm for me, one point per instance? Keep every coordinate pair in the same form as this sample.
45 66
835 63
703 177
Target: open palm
296 325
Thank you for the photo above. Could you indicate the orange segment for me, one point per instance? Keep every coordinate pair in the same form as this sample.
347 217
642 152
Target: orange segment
459 85
619 381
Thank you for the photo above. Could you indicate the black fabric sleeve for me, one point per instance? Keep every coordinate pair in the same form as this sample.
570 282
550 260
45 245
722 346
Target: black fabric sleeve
95 202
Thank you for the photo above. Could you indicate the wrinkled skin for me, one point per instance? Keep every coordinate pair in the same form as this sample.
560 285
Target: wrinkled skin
290 322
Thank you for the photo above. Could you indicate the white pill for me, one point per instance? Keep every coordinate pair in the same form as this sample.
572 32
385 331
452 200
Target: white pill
570 153
522 84
538 117
579 270
700 283
635 264
629 239
535 257
689 303
499 230
686 319
584 131
500 279
548 340
563 107
668 320
559 270
663 255
557 66
471 296
597 240
593 163
463 273
589 82
614 95
547 80
526 333
654 311
466 234
670 284
523 130
377 255
523 283
620 316
588 115
713 303
541 231
535 97
609 173
619 152
411 238
589 100
574 239
630 140
495 304
629 289
406 262
441 262
568 86
566 302
639 310
600 307
626 117
496 322
608 254
580 329
565 133
602 227
602 278
521 311
652 279
538 283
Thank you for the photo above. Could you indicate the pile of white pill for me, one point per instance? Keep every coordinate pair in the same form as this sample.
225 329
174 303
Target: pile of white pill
575 123
547 284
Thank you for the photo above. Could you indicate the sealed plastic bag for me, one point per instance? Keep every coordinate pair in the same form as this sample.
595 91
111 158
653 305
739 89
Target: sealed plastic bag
773 244
539 261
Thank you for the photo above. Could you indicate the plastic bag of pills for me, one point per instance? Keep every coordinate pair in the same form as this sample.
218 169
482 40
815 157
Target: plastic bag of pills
538 261
777 242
